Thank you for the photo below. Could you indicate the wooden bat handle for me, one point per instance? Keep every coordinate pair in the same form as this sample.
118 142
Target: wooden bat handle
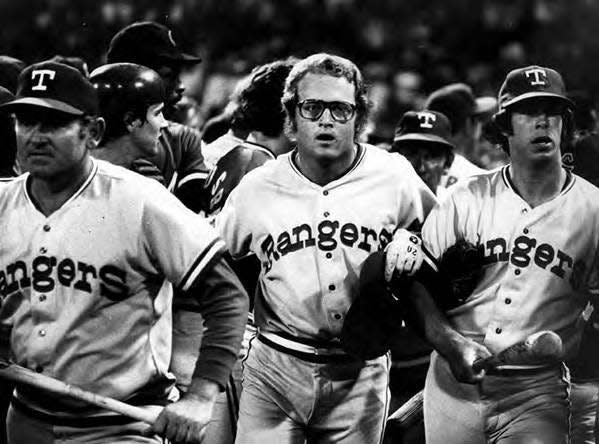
408 413
23 375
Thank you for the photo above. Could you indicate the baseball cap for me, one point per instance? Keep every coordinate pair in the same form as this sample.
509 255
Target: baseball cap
55 86
146 43
530 82
10 68
457 102
425 125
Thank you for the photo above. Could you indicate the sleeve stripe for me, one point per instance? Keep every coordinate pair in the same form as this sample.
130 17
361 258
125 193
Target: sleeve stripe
192 176
201 262
430 259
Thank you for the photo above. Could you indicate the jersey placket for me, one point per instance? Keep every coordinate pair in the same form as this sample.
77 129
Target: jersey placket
331 267
507 309
43 294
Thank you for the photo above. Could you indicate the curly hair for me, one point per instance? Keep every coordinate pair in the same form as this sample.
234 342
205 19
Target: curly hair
258 99
331 65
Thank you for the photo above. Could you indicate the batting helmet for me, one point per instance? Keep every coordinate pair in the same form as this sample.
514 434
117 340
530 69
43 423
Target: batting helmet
531 82
125 89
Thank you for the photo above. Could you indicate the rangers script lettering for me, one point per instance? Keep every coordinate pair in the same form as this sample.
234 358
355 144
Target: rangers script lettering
329 234
46 271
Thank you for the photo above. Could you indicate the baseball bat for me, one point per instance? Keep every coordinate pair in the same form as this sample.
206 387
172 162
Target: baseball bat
539 348
408 413
23 375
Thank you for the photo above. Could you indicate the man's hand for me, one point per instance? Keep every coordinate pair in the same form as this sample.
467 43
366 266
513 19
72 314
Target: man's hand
185 421
462 355
403 255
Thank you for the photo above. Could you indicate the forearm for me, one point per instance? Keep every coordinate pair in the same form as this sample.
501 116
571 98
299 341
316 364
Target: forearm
224 307
432 322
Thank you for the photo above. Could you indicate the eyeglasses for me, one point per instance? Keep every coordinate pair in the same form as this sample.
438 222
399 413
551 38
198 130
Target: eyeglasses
313 109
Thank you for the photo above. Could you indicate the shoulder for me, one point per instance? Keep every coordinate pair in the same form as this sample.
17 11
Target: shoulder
384 161
482 185
174 129
127 182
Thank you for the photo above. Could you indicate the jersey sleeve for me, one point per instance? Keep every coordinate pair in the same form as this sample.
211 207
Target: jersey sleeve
233 222
192 160
181 242
444 226
416 200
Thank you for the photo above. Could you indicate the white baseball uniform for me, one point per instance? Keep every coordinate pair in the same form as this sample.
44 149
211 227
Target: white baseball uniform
311 241
540 267
86 289
461 168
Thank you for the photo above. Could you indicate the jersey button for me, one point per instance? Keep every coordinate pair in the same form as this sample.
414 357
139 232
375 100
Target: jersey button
42 297
46 227
524 210
329 255
43 250
39 369
498 330
337 316
508 301
332 287
42 333
327 214
525 231
325 192
517 271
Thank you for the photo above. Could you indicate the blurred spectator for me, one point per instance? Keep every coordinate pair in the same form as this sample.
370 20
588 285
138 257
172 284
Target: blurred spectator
488 149
187 112
10 68
8 146
585 145
76 62
458 103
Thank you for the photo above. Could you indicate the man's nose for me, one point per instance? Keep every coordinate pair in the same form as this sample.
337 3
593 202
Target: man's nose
326 117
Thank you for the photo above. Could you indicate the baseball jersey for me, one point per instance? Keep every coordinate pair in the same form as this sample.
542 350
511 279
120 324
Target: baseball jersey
229 170
181 158
216 149
311 240
540 263
460 168
87 289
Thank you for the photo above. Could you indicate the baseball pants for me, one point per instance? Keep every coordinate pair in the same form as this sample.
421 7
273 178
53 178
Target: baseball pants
288 400
24 429
514 407
584 397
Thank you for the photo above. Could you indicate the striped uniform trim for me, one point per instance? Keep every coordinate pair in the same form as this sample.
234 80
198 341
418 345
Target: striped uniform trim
192 176
359 156
568 184
83 186
201 262
300 346
173 182
430 259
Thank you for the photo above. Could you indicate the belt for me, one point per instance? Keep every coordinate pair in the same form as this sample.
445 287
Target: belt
318 355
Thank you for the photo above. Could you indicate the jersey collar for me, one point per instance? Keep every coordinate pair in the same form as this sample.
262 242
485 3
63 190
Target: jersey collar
359 156
568 184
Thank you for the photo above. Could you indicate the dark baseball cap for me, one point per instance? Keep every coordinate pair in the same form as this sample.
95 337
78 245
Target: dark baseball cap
147 43
532 82
55 86
459 98
424 126
10 68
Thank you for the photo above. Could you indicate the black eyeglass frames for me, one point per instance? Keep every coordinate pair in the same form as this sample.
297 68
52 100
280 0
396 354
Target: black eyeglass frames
313 109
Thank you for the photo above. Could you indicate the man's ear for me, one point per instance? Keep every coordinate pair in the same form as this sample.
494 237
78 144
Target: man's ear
131 122
95 128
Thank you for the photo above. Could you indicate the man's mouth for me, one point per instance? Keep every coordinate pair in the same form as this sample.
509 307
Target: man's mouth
542 140
325 138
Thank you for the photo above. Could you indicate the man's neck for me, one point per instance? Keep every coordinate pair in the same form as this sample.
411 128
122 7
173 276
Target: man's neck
49 194
277 145
321 171
540 183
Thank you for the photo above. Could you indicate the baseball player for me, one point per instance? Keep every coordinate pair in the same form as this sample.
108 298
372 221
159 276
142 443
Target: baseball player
180 155
131 100
312 217
538 226
458 103
423 138
89 253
